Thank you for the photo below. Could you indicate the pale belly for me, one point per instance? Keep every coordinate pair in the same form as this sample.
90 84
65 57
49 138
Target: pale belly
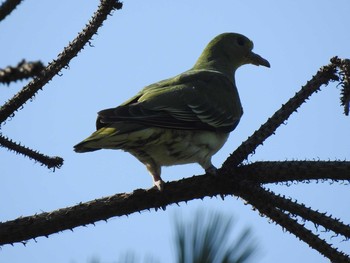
168 147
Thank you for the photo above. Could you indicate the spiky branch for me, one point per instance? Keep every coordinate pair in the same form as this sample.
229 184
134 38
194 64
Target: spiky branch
266 205
54 67
7 7
197 187
23 70
45 75
49 162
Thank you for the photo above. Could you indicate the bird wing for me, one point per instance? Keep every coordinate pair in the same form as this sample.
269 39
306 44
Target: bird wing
194 100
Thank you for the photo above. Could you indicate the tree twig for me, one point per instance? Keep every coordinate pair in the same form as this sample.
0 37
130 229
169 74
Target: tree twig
7 7
257 198
50 162
22 71
306 213
344 66
69 52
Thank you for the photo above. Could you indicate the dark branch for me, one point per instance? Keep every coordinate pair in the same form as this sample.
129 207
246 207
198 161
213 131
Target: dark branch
322 77
196 187
256 196
7 7
44 224
299 171
23 70
285 204
344 73
50 162
69 52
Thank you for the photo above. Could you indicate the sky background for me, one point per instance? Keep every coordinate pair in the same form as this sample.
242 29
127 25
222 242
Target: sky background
145 42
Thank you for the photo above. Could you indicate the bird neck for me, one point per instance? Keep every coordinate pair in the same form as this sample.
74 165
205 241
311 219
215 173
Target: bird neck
221 64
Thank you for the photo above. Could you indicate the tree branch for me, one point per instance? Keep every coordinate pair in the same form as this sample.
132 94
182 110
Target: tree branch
196 187
297 171
50 162
286 204
344 66
23 70
7 7
69 52
257 198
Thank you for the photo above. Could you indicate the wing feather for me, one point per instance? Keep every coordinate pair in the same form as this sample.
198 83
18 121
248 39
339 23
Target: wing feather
198 100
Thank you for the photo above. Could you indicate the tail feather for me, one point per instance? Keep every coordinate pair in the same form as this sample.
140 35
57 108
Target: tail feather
82 147
104 138
117 136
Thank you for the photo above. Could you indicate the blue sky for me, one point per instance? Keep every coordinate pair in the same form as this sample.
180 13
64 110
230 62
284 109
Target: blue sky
141 44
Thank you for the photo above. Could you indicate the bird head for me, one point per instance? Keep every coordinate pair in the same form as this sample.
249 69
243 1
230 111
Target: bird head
228 51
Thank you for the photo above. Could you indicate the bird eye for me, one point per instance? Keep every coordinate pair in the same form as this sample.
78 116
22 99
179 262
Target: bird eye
241 41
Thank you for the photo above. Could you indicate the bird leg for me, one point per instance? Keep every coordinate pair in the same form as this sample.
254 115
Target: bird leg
155 171
159 184
208 166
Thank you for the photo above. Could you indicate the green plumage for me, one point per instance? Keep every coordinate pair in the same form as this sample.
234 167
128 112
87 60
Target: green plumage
184 119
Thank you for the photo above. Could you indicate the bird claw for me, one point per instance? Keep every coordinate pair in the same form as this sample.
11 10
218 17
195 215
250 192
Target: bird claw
159 184
212 170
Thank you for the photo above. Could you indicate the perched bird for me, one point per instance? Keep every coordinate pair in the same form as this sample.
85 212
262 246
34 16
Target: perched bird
184 119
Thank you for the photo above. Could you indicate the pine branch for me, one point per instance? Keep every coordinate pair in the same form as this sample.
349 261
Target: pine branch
23 70
322 77
50 162
7 7
69 52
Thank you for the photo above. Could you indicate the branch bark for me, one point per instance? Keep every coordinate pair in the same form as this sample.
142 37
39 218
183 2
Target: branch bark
295 171
23 70
261 201
44 76
7 7
68 53
240 183
50 162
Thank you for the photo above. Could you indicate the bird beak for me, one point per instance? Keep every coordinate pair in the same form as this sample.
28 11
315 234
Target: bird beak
257 60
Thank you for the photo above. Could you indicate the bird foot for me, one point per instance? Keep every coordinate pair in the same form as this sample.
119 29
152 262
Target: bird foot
159 184
212 170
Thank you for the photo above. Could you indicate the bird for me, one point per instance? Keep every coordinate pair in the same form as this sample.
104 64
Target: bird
183 119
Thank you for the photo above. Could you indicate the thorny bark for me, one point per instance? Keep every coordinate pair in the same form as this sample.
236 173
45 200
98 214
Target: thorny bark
23 70
7 7
235 178
50 162
265 203
68 53
196 187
